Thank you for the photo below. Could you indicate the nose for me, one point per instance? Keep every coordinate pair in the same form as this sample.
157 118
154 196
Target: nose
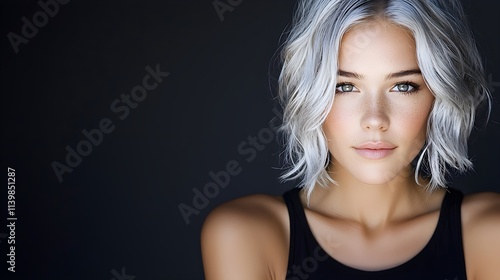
375 114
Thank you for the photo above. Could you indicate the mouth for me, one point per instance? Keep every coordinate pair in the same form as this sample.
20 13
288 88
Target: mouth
375 150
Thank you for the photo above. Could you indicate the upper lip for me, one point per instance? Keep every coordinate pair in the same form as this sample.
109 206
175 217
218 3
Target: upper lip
377 145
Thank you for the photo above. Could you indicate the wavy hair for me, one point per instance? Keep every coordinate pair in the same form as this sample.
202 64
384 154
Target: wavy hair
448 59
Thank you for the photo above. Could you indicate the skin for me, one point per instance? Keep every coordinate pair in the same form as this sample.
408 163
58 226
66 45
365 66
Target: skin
377 217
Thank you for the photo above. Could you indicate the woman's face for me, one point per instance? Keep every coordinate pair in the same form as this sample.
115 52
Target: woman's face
377 123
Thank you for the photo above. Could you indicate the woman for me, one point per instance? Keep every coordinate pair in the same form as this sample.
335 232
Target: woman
379 100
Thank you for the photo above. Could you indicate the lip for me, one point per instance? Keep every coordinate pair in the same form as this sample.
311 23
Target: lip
375 150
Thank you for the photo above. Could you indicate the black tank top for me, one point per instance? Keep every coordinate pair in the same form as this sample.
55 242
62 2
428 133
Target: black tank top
442 258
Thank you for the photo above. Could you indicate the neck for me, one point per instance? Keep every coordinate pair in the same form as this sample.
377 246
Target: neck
372 206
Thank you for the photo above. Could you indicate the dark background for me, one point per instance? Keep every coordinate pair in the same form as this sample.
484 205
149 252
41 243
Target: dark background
116 215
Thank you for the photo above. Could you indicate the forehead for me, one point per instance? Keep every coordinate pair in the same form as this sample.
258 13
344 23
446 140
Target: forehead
377 43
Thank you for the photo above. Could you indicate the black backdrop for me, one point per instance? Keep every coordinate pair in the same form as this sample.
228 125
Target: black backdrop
68 74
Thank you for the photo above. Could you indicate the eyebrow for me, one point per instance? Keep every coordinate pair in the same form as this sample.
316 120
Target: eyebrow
399 74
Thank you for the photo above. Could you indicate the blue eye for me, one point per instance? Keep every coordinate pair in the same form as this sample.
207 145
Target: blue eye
344 87
406 87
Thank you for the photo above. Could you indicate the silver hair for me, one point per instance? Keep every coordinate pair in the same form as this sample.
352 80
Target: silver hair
448 59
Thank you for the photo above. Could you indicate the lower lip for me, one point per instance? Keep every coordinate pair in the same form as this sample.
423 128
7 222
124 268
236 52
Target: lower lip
374 154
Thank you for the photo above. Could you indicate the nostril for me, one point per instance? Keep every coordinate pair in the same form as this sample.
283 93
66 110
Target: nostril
375 121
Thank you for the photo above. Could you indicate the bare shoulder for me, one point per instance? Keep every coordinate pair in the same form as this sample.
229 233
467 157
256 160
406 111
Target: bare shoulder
481 209
481 234
246 237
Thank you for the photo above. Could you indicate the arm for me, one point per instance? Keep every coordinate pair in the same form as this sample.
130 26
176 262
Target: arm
231 244
482 236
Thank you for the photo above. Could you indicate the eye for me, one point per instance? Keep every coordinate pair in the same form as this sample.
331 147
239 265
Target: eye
345 87
406 87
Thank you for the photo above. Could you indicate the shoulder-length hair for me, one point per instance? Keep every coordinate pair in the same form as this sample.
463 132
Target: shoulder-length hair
448 59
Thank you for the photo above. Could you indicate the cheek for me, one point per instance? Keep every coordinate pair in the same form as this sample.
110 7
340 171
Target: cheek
408 119
413 122
337 120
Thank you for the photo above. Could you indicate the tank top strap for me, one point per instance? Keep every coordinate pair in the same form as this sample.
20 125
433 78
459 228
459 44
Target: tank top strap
302 242
450 231
441 258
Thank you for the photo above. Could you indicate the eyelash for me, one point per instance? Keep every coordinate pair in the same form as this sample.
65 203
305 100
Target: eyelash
411 84
340 85
415 87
